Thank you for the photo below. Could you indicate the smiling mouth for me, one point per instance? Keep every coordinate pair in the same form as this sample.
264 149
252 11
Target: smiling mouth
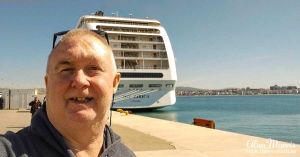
81 100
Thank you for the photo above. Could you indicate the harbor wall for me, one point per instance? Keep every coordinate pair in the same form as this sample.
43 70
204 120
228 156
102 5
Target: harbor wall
18 99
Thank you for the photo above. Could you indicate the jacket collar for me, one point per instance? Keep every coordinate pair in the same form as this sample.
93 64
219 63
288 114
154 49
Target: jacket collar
42 127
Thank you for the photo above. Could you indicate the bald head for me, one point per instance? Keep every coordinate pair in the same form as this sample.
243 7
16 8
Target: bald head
86 39
80 82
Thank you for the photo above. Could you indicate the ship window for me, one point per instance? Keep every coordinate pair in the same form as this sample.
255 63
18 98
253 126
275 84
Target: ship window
124 29
136 86
155 85
121 86
91 20
169 85
141 75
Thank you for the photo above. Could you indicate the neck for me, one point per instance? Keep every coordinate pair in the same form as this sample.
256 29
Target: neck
88 148
85 142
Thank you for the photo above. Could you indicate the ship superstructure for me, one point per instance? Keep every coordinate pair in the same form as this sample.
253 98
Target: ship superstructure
144 57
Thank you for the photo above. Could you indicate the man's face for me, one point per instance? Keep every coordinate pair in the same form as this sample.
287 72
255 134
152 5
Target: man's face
80 82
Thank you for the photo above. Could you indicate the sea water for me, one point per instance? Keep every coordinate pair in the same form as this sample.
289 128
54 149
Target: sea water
273 116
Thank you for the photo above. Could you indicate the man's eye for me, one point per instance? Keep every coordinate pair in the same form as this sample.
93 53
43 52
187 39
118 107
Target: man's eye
67 70
94 68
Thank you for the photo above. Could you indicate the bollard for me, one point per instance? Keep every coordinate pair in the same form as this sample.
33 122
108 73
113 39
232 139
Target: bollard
120 110
204 123
126 113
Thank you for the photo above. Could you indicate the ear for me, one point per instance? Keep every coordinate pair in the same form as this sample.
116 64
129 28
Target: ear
116 82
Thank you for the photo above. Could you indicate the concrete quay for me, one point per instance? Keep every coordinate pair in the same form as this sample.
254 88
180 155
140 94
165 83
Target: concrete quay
194 141
150 137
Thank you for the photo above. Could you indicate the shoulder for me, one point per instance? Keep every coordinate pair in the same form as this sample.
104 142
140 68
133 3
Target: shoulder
8 143
12 144
114 146
5 147
118 150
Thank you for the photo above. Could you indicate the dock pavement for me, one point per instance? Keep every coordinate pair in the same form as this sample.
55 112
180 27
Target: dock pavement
150 137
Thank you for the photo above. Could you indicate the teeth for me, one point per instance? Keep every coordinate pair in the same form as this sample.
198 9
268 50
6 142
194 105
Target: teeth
80 99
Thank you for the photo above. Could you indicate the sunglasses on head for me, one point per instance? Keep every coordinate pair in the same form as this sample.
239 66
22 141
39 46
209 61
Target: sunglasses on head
59 34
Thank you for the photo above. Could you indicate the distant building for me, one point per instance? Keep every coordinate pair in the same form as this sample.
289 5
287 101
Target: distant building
20 98
275 87
238 91
291 87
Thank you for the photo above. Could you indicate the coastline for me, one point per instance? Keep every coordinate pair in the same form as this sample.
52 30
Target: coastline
240 95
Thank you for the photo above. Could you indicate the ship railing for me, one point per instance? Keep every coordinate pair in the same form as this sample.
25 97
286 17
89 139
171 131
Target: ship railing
155 67
141 57
92 20
129 47
141 67
133 30
137 41
131 55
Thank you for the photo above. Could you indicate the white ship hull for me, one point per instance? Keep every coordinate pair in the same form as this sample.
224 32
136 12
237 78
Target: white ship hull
144 98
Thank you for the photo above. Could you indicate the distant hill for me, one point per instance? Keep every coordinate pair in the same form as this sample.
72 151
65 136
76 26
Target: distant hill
187 89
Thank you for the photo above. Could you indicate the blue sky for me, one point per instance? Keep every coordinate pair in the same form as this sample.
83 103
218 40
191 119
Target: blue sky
217 43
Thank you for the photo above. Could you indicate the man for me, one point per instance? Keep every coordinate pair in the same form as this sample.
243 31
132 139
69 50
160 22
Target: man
1 102
81 79
34 105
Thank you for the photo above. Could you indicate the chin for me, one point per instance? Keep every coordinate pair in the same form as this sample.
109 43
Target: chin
82 117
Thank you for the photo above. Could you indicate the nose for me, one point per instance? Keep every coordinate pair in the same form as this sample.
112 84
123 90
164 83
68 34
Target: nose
80 80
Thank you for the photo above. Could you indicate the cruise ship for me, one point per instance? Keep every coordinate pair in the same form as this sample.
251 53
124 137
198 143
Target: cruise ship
144 58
